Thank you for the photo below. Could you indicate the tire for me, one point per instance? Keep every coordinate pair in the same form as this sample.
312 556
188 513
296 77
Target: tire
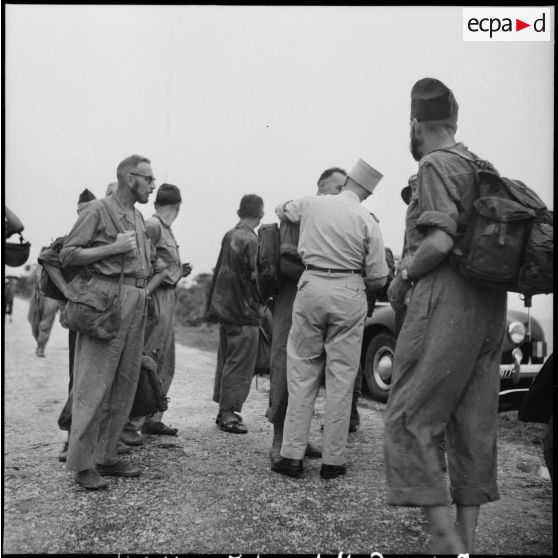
378 365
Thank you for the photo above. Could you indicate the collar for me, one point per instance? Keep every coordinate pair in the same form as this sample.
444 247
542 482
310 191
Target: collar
350 194
117 204
244 226
458 146
163 222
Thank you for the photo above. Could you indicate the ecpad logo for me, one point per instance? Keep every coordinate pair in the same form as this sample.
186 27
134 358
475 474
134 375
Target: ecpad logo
507 24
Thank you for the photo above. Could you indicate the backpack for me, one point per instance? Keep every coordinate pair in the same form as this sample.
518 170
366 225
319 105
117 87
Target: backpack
506 240
267 260
47 287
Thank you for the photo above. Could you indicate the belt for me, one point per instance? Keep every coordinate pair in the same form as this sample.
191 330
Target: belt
326 270
139 282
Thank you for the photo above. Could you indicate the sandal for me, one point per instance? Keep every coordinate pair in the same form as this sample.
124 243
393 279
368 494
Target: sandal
218 418
233 426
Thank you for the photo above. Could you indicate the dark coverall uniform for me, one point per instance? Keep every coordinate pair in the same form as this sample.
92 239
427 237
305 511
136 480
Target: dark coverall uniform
446 364
235 300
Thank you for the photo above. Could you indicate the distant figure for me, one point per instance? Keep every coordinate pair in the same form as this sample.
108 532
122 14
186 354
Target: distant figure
235 300
9 298
42 311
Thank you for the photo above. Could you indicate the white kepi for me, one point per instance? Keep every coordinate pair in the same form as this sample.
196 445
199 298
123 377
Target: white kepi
365 175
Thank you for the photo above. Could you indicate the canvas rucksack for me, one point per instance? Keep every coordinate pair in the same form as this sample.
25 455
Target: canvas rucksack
267 260
47 287
507 238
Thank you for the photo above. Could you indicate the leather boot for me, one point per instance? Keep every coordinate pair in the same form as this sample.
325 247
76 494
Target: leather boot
277 441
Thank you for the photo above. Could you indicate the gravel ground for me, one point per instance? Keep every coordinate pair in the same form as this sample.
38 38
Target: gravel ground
207 491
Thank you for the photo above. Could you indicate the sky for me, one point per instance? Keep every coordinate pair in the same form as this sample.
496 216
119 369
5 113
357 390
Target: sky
231 100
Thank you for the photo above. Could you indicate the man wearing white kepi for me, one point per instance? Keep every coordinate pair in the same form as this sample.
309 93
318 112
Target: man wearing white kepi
342 249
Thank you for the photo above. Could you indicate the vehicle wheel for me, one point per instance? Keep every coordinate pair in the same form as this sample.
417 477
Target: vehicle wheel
378 365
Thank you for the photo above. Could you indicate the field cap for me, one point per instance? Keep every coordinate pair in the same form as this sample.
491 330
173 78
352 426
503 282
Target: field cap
407 192
86 196
365 175
167 194
432 100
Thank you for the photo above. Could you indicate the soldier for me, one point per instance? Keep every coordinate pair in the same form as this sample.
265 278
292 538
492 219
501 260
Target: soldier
343 252
159 330
446 364
235 300
331 181
42 311
109 236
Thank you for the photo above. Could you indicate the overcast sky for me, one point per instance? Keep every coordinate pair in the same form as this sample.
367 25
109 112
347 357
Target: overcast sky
230 100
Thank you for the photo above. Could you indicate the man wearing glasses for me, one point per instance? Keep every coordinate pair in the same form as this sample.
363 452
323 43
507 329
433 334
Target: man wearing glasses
109 238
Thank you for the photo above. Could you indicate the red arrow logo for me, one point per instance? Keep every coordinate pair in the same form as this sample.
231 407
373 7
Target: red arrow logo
519 25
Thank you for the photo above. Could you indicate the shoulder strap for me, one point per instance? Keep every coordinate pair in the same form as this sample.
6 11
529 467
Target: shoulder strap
111 215
481 164
114 222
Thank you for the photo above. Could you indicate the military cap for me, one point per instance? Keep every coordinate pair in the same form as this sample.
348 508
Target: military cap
432 100
167 194
365 175
407 192
86 196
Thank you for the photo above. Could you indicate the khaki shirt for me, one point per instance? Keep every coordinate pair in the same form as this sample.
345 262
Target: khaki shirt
162 237
445 192
95 227
337 232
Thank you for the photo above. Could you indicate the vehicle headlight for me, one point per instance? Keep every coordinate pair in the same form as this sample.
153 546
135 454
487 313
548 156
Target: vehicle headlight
516 332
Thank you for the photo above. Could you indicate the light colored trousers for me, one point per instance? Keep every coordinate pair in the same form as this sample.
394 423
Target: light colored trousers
445 380
105 380
326 335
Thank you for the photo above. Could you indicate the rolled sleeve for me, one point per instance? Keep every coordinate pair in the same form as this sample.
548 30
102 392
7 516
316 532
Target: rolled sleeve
159 265
438 205
50 255
438 220
375 263
292 210
80 237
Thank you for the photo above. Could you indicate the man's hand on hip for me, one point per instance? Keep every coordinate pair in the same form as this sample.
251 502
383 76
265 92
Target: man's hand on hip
397 291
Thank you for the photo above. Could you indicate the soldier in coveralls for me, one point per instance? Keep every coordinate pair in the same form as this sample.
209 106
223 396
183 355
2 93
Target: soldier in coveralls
446 364
235 300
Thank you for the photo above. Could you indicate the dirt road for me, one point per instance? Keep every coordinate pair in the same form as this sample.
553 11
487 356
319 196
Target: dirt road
206 491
